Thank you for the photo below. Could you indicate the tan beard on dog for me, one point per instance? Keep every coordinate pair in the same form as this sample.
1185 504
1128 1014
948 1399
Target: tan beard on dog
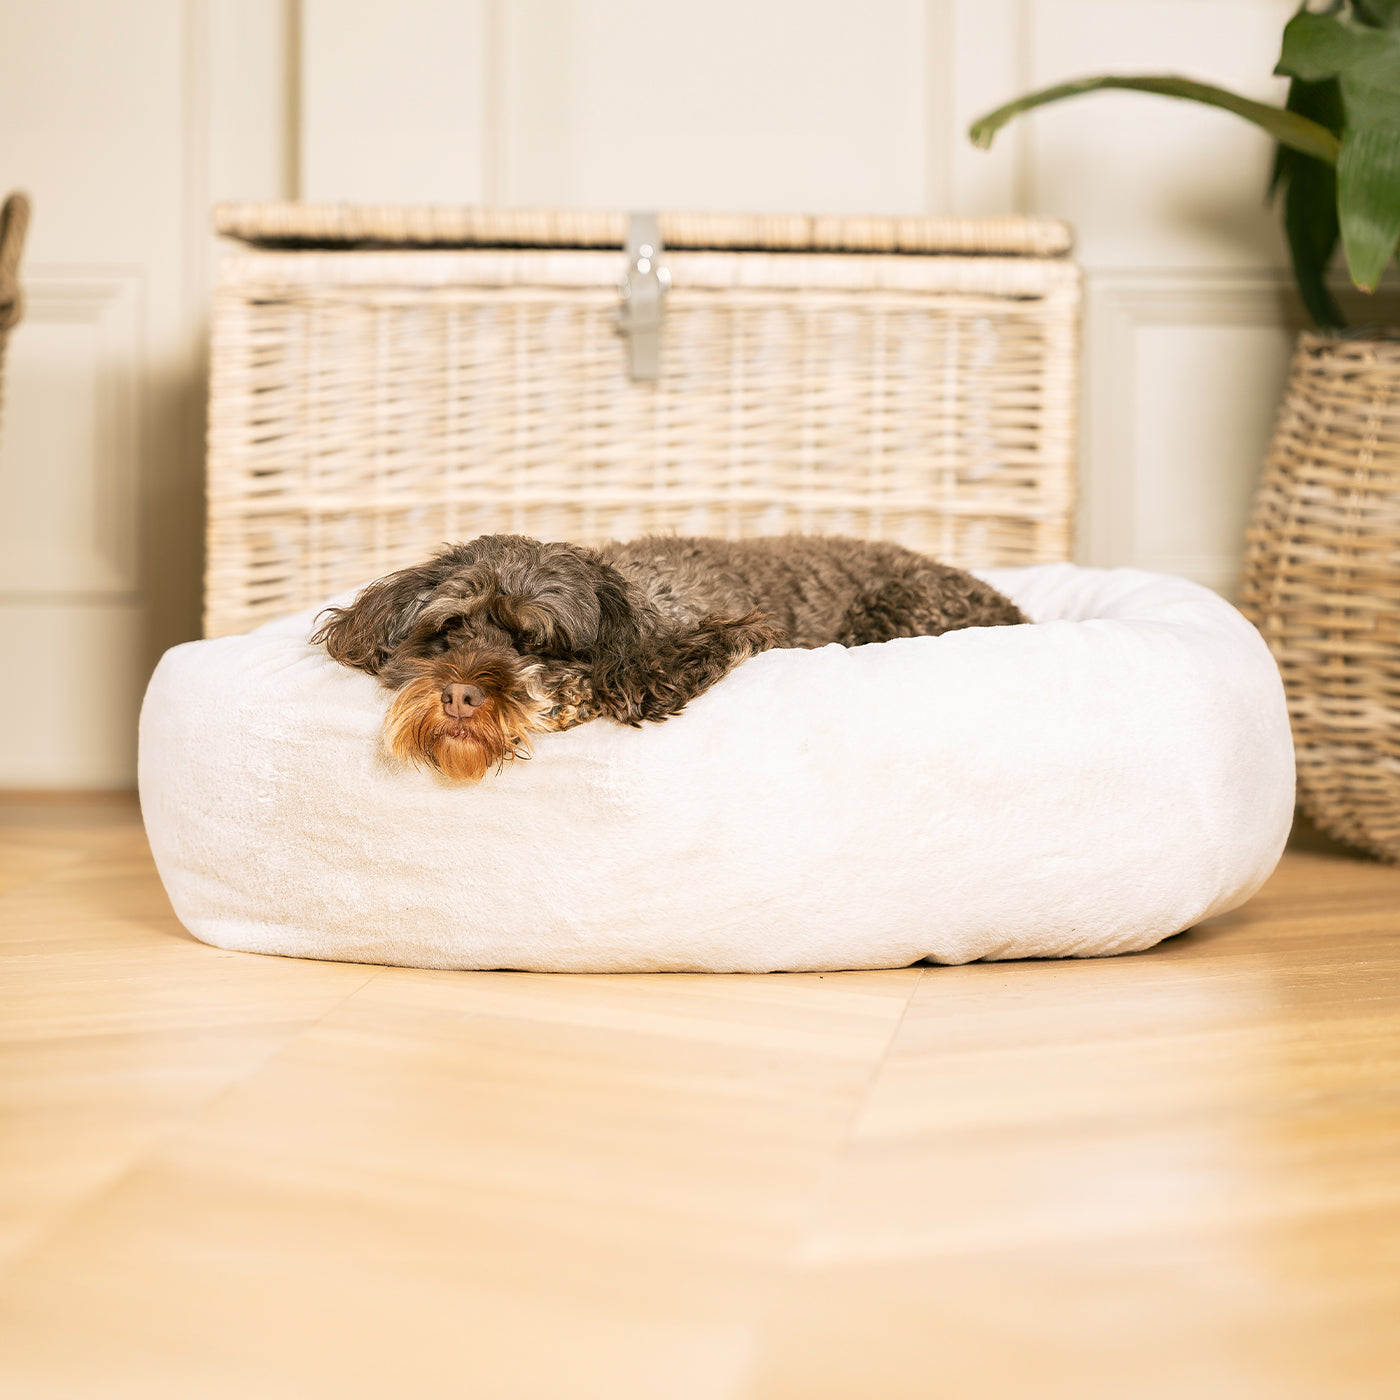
419 730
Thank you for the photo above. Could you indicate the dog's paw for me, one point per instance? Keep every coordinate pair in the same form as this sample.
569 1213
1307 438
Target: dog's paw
570 700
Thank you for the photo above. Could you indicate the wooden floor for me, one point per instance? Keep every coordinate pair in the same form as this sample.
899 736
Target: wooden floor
1175 1174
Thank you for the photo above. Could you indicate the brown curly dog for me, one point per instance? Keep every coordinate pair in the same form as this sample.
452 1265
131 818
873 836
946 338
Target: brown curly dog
505 636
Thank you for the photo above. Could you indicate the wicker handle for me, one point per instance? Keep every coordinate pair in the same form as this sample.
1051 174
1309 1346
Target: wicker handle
14 220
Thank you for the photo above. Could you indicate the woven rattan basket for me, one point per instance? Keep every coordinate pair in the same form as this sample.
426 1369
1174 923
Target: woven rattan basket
14 222
384 380
1322 581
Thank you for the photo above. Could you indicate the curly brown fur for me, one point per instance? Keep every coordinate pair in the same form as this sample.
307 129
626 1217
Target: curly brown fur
506 636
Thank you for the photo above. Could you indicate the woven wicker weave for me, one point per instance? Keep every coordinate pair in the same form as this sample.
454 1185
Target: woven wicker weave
1322 581
368 405
437 226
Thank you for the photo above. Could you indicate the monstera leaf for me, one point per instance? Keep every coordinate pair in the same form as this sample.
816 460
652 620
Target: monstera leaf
1338 163
1364 61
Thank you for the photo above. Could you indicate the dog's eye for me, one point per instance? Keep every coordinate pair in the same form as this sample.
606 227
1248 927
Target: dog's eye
438 643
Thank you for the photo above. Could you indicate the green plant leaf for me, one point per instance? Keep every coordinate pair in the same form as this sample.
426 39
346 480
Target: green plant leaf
1365 61
1320 102
1309 189
1317 46
1288 128
1382 14
1368 200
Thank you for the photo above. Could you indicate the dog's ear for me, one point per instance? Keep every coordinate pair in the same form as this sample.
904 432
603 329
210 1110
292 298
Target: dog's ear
366 633
656 674
623 619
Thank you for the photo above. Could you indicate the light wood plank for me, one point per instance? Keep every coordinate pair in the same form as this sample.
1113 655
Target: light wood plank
115 1024
1162 1175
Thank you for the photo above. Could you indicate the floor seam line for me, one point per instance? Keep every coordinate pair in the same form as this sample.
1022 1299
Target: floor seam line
787 1267
164 1134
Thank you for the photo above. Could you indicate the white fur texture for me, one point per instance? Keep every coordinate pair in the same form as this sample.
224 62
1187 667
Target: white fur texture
1088 785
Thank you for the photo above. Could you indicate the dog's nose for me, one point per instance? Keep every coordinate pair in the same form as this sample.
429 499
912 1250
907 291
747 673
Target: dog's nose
460 700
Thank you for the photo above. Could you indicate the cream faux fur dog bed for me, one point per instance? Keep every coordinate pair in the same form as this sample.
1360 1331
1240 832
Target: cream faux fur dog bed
1087 785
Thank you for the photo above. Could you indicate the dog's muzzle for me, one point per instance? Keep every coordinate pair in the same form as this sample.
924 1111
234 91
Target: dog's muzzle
465 712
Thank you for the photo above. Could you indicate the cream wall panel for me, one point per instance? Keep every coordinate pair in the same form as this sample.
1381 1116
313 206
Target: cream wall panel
68 483
989 47
1186 375
92 123
393 100
622 103
253 84
1150 182
1206 398
122 122
96 466
728 105
1189 321
75 726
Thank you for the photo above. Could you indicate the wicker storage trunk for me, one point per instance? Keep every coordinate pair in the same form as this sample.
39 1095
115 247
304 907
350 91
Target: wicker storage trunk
384 380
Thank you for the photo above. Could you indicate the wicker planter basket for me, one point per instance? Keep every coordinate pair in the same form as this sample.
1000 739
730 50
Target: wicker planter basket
1322 581
383 380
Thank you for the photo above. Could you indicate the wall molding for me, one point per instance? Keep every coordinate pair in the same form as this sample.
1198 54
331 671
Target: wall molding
104 303
1119 308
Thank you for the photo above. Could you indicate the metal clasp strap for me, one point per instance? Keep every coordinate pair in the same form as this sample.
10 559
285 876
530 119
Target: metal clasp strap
644 287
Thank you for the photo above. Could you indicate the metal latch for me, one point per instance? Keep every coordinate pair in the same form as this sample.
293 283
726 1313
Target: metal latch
644 287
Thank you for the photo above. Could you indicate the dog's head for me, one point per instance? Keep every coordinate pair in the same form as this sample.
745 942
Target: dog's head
484 645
